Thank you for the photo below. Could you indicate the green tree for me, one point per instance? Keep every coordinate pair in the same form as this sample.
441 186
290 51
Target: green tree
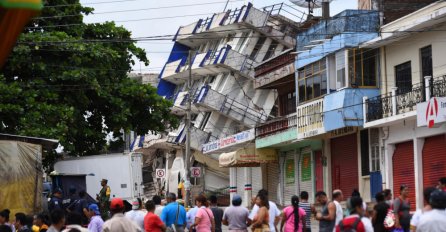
68 80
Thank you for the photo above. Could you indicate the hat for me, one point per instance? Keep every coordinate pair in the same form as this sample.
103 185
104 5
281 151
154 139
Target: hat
236 197
94 208
117 203
135 204
104 180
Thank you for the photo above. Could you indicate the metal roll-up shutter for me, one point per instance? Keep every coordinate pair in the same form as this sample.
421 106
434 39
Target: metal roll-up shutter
256 179
305 159
289 186
434 160
272 172
403 170
344 164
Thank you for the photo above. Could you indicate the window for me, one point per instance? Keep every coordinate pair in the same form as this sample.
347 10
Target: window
403 77
340 70
242 40
288 103
257 47
205 120
312 81
271 50
426 62
365 166
374 150
363 67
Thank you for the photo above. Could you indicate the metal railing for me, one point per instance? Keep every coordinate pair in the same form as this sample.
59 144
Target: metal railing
277 125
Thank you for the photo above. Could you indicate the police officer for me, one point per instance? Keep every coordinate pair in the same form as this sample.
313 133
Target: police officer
56 201
104 199
68 203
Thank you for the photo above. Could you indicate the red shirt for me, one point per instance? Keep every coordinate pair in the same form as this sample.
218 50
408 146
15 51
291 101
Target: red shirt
152 222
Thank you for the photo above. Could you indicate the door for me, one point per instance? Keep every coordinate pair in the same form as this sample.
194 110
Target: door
319 171
434 160
344 163
403 170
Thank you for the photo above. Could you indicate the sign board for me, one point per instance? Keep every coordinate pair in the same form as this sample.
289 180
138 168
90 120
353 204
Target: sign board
306 167
432 112
229 141
289 171
195 172
160 173
310 119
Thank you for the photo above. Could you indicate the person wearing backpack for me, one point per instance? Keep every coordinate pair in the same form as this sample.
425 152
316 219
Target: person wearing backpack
356 222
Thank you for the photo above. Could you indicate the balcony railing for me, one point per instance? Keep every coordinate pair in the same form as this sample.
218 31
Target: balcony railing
403 100
236 110
198 137
277 125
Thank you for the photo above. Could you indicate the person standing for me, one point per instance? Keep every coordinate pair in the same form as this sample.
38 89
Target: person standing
204 220
104 199
4 219
190 216
274 212
356 221
136 214
388 196
218 213
173 213
96 221
236 216
159 207
327 217
118 222
379 213
337 198
57 220
41 222
56 201
308 208
21 223
401 207
434 220
153 223
293 217
80 206
261 221
427 207
68 203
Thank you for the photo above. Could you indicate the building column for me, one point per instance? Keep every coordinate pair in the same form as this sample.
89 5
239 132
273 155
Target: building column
388 166
418 163
232 182
248 186
327 166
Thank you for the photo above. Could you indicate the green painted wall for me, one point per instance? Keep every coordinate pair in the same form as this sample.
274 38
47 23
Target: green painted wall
286 141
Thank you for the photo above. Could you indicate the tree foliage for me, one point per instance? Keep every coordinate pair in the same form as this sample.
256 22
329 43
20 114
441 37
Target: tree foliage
70 82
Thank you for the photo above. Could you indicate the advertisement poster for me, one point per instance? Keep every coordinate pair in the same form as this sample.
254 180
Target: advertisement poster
306 167
289 171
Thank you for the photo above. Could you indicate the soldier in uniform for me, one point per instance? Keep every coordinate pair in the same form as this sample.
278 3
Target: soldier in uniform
104 199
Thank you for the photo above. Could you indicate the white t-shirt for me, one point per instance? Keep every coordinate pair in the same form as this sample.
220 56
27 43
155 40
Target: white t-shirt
273 213
416 217
339 213
136 216
434 220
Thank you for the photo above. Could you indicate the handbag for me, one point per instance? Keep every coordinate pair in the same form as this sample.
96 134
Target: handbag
389 220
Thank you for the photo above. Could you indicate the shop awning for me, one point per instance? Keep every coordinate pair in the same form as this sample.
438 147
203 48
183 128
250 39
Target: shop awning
14 15
247 157
210 163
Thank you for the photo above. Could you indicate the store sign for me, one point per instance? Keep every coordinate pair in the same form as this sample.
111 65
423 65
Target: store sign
232 140
432 112
306 167
310 119
342 131
289 171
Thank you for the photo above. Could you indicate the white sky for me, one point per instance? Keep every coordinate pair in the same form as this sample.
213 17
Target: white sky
144 23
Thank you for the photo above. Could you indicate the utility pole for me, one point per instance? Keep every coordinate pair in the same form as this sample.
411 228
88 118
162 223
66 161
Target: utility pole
187 183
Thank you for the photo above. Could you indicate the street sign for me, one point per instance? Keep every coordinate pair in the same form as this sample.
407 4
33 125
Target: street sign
195 171
160 173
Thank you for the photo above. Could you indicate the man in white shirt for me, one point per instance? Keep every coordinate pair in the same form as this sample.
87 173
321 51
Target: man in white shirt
337 198
434 220
137 214
274 212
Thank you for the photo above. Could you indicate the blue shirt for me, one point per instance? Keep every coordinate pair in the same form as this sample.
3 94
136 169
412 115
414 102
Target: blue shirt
168 216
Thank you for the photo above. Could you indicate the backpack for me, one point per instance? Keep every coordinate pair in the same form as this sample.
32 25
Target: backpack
346 225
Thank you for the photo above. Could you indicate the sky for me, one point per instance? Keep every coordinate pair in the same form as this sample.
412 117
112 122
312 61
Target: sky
164 17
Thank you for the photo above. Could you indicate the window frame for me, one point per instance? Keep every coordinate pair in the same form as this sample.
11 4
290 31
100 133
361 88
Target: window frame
308 72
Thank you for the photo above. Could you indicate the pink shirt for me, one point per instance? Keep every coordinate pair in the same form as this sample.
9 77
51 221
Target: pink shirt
205 215
289 215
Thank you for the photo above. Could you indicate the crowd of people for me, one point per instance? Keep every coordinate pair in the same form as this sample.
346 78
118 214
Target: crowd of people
75 214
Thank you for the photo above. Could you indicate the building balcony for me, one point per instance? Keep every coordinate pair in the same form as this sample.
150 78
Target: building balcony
221 24
198 137
211 62
211 100
400 104
277 132
180 103
273 71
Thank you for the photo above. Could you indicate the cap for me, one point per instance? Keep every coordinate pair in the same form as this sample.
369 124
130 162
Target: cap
104 180
117 203
236 197
94 208
135 204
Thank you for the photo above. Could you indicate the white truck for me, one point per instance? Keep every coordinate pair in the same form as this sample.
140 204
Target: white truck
123 172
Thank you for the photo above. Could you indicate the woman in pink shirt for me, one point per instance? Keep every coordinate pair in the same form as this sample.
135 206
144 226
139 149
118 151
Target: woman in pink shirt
293 217
204 219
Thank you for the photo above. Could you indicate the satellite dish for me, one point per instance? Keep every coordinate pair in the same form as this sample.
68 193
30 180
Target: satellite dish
310 4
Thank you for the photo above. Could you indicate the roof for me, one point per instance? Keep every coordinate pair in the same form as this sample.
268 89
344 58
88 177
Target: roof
47 144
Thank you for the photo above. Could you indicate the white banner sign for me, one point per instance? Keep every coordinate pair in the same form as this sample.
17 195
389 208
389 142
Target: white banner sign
432 112
238 138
